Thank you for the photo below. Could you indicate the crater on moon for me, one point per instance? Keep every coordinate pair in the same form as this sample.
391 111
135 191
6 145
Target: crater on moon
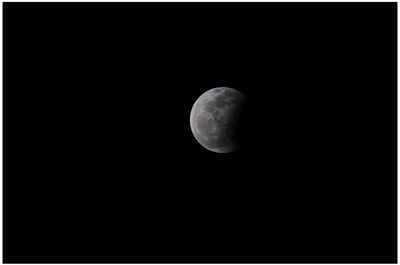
215 119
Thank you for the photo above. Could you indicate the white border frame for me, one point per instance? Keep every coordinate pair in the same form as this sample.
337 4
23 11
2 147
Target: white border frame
1 104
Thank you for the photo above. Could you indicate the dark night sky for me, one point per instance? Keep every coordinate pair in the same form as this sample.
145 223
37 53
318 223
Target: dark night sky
100 164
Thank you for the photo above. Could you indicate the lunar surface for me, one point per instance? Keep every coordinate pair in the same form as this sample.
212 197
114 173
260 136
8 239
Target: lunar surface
215 119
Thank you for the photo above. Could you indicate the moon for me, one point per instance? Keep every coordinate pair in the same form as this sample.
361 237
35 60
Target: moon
215 119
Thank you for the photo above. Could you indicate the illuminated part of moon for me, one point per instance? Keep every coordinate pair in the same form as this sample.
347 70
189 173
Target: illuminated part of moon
215 119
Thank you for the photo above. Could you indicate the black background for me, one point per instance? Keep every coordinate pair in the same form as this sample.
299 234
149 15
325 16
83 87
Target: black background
100 164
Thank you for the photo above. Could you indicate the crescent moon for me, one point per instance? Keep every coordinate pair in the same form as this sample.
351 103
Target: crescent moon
214 119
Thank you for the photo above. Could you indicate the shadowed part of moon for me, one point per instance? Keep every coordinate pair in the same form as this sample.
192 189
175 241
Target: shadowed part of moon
215 119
